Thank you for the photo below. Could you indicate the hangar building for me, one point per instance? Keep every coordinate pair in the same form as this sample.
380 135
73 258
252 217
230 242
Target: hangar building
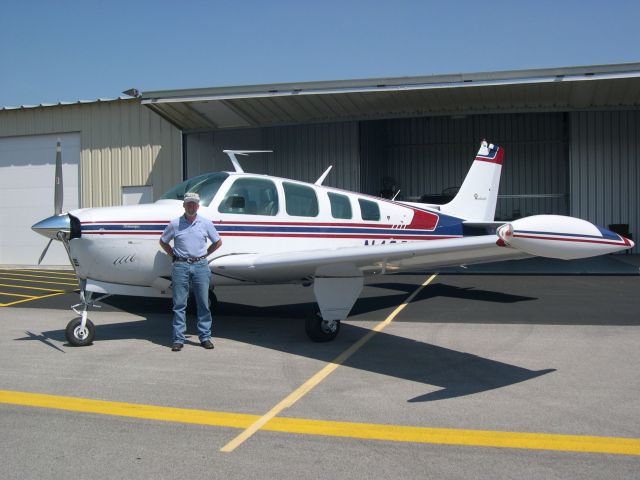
571 137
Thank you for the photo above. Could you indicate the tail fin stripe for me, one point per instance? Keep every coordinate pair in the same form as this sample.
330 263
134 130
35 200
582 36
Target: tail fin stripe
495 156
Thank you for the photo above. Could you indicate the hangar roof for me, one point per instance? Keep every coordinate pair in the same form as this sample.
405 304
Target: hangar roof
549 89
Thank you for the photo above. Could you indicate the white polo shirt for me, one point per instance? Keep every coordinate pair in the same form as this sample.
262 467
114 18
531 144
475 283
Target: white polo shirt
190 239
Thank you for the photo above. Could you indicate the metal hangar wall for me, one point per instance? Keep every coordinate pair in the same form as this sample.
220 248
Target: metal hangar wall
109 148
571 135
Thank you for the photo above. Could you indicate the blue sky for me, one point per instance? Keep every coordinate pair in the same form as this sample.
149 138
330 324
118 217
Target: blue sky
69 50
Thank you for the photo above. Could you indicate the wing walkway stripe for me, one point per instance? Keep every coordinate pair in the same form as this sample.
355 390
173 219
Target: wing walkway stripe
391 433
321 375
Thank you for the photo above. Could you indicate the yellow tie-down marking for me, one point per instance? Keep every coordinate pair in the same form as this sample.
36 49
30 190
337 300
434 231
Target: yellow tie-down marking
52 292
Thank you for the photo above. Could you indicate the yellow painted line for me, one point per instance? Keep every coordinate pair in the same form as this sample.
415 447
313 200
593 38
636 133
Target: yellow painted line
33 276
31 299
37 281
120 409
366 431
31 288
15 295
50 272
307 386
450 436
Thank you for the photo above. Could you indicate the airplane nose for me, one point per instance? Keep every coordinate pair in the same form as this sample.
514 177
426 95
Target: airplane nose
49 227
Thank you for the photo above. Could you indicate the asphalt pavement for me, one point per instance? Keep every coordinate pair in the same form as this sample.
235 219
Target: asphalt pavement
483 376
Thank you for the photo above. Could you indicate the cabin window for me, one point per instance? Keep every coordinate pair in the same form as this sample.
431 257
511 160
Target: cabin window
251 196
204 185
340 206
301 201
369 210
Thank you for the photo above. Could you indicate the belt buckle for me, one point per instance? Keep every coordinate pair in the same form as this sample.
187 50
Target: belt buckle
190 260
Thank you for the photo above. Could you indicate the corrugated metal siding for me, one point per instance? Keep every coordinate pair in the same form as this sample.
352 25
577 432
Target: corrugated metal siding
299 152
304 152
605 168
428 155
122 144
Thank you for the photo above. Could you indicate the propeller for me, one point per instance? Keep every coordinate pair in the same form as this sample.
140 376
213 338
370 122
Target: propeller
44 252
57 193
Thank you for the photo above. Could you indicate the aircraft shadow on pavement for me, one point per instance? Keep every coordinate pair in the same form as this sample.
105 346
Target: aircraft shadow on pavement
281 328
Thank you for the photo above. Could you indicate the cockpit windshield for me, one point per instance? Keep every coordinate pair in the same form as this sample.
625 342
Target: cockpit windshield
206 186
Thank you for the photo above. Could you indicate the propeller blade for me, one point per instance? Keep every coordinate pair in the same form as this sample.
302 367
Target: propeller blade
44 252
57 196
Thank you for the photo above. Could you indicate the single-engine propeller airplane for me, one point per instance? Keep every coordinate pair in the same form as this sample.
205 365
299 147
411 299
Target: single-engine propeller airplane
277 230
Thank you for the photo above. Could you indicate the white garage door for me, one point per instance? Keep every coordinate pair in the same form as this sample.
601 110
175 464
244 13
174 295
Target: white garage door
27 171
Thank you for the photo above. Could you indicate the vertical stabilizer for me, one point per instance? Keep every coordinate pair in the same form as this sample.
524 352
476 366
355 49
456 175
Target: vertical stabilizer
476 199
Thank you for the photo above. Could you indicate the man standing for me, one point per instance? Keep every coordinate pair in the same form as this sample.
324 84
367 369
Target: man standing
189 233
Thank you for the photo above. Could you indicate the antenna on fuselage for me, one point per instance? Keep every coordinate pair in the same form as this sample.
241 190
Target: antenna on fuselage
323 176
236 164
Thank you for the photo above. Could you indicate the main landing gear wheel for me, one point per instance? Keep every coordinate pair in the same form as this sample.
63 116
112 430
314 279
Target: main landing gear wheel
320 330
79 336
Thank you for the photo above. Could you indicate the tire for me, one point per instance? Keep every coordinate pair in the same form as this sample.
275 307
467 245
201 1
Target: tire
77 337
318 331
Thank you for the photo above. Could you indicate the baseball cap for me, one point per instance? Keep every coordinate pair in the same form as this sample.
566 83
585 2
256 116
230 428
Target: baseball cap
191 197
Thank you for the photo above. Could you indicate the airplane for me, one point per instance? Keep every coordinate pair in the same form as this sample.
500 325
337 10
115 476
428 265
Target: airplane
277 230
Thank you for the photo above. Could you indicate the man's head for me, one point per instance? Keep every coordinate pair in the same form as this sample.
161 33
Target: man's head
191 204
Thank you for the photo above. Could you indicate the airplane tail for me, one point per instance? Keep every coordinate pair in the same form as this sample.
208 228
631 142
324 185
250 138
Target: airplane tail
477 197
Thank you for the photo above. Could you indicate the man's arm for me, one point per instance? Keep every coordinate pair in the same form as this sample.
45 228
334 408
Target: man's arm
167 248
213 247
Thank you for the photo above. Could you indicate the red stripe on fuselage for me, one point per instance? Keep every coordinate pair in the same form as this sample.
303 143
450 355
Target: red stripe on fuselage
372 236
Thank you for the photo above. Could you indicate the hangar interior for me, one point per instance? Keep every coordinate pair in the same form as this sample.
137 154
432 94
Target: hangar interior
425 159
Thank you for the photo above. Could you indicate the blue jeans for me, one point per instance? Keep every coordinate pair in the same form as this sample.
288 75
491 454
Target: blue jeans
197 275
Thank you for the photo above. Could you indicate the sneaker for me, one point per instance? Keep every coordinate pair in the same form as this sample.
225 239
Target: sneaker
207 344
176 347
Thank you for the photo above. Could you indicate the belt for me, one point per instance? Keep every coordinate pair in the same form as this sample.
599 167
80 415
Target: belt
188 259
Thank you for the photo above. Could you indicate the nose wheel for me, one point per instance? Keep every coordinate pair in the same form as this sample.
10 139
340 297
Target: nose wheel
80 331
80 335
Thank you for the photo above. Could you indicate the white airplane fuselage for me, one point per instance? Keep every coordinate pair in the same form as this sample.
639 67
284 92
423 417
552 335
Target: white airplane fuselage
119 245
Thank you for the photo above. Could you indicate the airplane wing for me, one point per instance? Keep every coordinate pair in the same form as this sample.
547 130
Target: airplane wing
386 258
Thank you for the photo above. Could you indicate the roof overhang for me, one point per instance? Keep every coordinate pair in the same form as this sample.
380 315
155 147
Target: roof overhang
551 89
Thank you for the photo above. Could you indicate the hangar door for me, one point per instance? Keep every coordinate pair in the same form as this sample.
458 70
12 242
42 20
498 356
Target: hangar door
27 169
